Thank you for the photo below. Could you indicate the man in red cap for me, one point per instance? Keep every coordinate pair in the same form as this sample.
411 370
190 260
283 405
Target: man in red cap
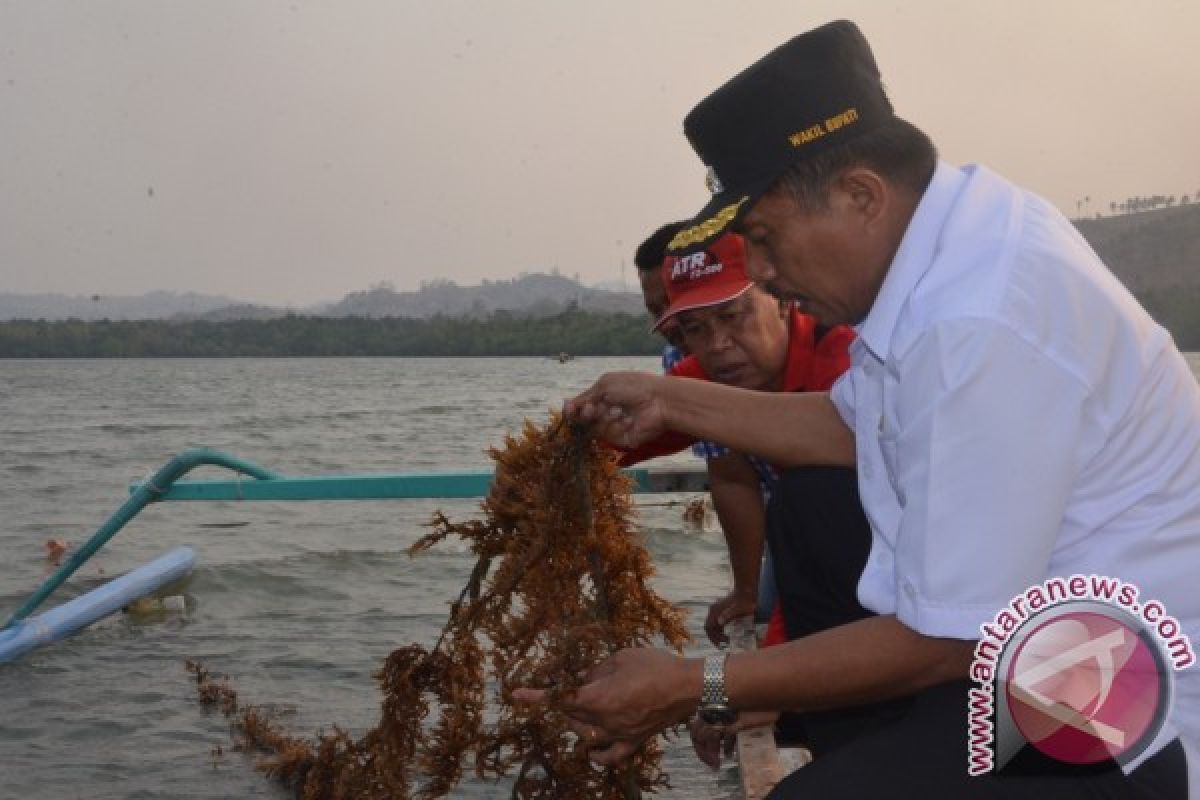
805 526
740 335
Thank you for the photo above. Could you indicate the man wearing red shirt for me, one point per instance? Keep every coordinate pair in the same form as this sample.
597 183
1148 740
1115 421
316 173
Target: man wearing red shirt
741 336
816 534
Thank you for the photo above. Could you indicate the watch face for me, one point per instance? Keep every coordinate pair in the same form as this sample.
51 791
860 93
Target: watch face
718 715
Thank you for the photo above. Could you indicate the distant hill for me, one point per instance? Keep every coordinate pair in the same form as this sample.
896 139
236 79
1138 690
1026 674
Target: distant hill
1156 254
153 305
617 286
535 294
1149 250
532 294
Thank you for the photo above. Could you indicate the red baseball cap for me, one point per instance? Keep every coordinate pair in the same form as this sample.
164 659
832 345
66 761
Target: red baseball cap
706 277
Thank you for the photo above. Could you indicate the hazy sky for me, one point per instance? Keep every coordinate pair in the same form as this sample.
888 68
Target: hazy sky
290 152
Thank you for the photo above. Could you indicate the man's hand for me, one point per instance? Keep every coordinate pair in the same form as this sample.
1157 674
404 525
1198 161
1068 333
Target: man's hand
711 742
628 698
625 407
730 607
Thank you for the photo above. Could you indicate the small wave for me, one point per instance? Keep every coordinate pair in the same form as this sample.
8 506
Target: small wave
432 410
295 571
50 454
351 413
266 578
284 420
53 490
336 558
123 428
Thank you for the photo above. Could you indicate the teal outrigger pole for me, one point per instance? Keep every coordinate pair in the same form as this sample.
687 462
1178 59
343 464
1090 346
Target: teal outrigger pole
262 484
438 485
145 494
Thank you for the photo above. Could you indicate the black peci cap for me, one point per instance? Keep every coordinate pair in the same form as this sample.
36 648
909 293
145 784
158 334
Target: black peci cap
818 90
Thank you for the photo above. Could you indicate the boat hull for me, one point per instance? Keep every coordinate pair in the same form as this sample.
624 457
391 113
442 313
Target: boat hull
62 621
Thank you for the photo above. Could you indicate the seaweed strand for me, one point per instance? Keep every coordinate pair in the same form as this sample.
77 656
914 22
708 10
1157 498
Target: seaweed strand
560 582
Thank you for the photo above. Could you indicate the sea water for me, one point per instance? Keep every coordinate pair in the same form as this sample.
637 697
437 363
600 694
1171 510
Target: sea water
298 602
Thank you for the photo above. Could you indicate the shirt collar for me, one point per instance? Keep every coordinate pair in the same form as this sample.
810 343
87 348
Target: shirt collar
801 334
912 259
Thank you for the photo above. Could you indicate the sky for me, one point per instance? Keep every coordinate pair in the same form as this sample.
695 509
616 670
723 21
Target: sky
290 152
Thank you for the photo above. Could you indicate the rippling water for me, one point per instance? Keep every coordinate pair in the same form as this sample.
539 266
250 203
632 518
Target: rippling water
299 602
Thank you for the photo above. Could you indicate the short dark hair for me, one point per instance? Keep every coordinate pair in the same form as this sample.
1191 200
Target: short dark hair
897 150
651 253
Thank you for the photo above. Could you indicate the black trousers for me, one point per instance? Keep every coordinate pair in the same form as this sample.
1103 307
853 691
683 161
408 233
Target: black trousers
911 747
923 754
819 539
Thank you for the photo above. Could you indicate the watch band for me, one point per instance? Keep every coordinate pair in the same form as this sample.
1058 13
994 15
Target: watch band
713 691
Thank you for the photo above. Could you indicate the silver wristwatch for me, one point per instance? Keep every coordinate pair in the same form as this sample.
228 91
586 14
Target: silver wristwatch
714 703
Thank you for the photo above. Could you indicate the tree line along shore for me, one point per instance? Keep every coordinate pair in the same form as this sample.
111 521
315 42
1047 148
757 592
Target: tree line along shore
578 333
575 332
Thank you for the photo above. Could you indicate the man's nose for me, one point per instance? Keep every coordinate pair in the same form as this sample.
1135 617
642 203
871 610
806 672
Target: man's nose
721 338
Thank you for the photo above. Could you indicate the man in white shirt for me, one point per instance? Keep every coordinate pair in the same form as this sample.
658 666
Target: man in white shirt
1013 414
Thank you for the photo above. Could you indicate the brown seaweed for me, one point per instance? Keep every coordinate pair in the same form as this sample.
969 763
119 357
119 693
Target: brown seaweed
560 583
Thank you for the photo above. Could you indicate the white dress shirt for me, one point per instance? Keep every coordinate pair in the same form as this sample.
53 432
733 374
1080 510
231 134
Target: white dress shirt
1018 417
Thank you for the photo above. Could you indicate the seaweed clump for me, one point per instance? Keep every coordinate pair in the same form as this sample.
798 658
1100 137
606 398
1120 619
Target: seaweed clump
560 583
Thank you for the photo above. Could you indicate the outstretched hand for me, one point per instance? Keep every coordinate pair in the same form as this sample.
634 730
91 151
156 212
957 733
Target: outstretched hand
626 408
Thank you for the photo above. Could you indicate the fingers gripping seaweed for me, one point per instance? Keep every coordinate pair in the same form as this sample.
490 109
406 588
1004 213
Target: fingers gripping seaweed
559 584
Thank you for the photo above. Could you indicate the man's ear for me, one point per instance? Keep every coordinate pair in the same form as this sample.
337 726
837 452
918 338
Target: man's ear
865 191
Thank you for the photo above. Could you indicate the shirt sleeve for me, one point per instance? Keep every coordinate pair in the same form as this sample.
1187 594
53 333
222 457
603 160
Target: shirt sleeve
669 443
842 396
985 457
689 367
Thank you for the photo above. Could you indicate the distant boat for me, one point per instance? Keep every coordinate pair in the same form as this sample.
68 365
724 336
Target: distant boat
564 357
